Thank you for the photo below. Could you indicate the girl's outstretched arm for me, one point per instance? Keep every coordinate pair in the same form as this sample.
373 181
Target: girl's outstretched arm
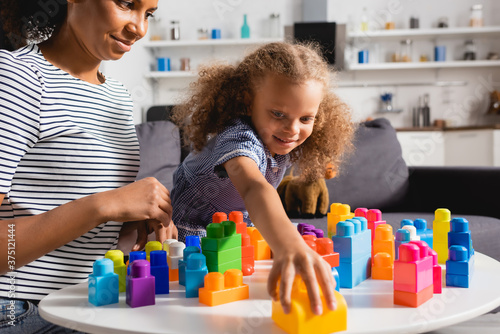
292 256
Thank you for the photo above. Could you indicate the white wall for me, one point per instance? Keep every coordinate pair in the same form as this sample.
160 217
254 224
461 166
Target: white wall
461 105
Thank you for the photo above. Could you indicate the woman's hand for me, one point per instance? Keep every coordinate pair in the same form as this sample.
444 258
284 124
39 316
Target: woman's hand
301 260
162 233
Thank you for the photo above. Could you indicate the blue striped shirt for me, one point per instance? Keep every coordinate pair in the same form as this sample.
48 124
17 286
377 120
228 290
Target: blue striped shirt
201 188
61 138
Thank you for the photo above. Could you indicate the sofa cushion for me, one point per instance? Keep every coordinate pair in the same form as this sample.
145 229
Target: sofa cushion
375 175
160 150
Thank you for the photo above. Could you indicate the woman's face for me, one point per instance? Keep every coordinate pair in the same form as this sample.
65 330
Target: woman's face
106 29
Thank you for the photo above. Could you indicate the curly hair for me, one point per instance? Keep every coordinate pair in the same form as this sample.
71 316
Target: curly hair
221 92
28 21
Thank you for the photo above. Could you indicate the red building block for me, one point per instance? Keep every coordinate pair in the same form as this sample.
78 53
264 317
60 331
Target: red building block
413 299
219 217
237 218
247 256
437 273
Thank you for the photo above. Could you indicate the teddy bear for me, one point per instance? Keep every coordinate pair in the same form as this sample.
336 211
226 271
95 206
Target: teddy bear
303 199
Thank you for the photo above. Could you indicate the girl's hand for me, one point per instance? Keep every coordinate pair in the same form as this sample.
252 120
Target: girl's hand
303 261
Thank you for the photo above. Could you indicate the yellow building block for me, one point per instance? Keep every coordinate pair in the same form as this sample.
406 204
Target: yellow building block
338 213
120 268
151 246
441 227
302 320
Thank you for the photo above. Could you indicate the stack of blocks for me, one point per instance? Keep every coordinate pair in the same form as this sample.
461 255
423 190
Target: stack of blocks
338 212
175 253
413 274
374 217
221 289
383 253
353 243
247 249
222 247
183 262
460 264
302 320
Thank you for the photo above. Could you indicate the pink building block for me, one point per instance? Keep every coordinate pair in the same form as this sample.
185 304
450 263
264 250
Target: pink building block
437 272
412 273
374 217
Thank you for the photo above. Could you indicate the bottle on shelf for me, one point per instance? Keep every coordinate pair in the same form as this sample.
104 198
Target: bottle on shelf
389 22
274 25
476 16
414 22
245 29
175 33
364 20
426 111
470 50
405 50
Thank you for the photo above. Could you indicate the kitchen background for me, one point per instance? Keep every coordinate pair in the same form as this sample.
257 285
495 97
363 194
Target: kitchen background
458 94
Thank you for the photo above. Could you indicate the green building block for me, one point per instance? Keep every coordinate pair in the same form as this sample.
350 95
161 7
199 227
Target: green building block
221 236
223 256
236 264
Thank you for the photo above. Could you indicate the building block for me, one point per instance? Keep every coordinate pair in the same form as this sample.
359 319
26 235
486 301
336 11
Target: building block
338 212
193 240
222 289
460 235
437 273
196 270
262 251
151 246
324 247
167 243
302 320
412 299
183 262
237 218
361 212
247 256
354 272
221 237
413 232
140 285
103 283
402 237
459 267
219 217
423 232
120 268
174 255
412 272
160 270
441 227
222 267
405 222
336 277
382 266
384 241
132 256
374 217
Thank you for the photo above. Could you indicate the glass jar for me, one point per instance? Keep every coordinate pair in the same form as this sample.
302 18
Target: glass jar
274 25
476 16
203 33
470 50
155 29
175 33
442 22
405 50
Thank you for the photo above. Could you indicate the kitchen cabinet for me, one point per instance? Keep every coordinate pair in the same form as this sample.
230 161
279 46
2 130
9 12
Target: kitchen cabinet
422 148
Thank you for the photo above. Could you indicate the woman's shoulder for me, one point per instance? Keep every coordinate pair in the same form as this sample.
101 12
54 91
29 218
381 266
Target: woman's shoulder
23 62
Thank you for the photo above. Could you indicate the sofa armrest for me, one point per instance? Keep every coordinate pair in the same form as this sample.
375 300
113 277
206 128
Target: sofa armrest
462 190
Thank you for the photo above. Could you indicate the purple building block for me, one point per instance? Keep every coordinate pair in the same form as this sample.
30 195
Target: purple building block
132 256
140 285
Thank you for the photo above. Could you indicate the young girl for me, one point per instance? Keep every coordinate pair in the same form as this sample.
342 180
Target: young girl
69 153
247 124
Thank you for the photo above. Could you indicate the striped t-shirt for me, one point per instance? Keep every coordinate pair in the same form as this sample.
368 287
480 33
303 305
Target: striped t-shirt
201 188
61 138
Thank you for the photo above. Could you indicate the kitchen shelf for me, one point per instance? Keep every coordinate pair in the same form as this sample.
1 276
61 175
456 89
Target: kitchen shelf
426 33
170 74
424 65
209 42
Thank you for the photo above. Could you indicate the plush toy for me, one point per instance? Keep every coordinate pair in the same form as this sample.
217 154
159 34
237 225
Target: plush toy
305 199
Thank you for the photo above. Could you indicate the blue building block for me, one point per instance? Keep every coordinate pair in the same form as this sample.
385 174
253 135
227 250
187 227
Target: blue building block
459 268
183 263
423 232
193 240
159 269
336 277
405 222
103 283
354 251
460 235
132 256
196 270
402 237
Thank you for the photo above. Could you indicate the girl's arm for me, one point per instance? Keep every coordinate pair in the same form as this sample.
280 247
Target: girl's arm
38 235
291 254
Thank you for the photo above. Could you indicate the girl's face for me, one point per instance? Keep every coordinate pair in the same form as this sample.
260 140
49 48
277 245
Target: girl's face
106 29
283 113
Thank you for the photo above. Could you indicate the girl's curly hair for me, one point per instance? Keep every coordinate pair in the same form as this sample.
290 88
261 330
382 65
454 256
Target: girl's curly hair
218 97
29 21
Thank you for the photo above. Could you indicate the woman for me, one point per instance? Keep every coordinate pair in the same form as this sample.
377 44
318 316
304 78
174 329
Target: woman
69 152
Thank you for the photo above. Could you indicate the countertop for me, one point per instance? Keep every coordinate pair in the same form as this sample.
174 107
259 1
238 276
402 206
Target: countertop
453 128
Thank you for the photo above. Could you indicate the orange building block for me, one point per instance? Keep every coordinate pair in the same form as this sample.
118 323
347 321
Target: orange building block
382 267
173 275
222 289
384 241
237 218
219 217
324 247
412 299
261 248
302 320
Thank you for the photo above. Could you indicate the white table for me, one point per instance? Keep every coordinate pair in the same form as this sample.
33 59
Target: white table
370 308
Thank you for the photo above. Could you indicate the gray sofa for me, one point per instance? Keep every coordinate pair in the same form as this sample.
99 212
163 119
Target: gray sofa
375 177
